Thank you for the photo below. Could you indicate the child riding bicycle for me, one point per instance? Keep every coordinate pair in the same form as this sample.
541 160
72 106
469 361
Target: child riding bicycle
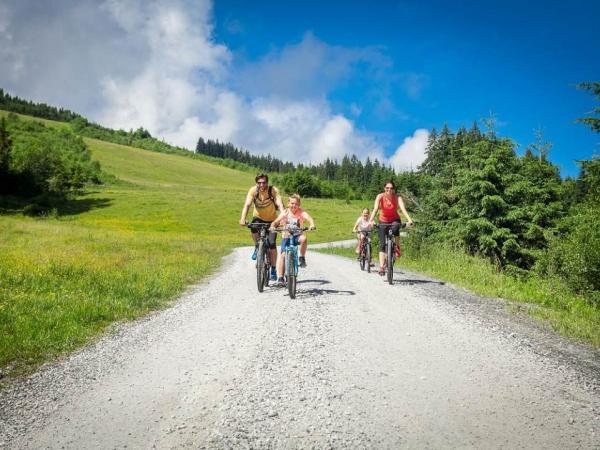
361 225
292 217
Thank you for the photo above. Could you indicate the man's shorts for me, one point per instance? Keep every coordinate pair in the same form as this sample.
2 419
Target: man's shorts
272 234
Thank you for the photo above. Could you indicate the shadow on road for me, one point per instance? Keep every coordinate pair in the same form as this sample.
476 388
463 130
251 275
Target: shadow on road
316 292
409 281
314 281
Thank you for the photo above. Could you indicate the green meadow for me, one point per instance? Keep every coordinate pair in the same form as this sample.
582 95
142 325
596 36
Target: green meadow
132 245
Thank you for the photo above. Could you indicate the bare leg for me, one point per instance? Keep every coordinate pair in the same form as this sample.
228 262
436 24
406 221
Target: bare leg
280 264
360 240
303 245
382 256
273 255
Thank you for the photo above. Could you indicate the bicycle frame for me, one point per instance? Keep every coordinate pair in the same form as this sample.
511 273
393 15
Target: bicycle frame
364 253
291 263
263 259
291 256
389 251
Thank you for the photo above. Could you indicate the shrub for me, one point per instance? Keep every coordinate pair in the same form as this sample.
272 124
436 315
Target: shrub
576 256
47 161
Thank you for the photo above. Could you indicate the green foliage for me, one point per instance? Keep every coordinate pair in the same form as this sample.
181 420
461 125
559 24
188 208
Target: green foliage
301 182
588 183
485 199
576 257
47 162
594 88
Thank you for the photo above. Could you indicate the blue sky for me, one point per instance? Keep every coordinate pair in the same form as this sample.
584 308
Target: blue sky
518 61
309 80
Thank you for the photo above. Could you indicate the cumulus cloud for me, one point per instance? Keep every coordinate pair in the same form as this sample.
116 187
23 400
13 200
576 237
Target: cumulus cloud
156 64
411 153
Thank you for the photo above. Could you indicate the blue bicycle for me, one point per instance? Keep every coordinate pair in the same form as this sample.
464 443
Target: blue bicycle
291 263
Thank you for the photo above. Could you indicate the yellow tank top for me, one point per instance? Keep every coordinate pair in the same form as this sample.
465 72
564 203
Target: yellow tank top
264 207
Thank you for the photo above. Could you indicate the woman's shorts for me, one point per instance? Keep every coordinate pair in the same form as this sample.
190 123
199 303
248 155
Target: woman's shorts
383 230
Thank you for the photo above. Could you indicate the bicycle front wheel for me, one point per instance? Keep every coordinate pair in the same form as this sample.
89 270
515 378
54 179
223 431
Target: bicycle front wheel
290 270
260 267
267 266
390 261
362 257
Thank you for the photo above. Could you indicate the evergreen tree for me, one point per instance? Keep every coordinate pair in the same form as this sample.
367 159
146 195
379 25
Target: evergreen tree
593 122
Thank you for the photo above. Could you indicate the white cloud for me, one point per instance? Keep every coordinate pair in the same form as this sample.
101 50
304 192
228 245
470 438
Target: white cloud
156 64
411 153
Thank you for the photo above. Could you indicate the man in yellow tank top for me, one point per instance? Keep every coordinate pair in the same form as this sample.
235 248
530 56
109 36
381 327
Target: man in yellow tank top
267 202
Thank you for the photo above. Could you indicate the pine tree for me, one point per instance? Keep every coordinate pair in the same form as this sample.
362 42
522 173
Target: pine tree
593 122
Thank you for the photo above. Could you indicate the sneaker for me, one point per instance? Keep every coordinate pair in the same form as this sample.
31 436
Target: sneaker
280 282
253 257
381 271
273 274
397 251
302 261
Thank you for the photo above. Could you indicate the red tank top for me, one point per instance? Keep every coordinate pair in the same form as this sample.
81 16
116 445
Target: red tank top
389 209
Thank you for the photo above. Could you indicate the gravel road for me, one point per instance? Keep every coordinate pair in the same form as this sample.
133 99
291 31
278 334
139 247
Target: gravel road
352 362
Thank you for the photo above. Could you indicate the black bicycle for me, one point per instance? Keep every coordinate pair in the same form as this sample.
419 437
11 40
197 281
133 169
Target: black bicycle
390 254
263 258
364 252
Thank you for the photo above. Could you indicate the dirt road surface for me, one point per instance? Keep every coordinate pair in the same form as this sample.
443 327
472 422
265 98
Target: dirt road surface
351 363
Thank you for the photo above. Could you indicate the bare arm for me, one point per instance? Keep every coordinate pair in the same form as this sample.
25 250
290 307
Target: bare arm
403 209
375 208
307 216
355 228
245 209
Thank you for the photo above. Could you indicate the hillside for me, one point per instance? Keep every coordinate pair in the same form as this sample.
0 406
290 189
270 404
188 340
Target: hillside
123 248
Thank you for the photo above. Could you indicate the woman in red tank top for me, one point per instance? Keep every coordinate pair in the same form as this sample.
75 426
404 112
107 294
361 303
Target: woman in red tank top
388 203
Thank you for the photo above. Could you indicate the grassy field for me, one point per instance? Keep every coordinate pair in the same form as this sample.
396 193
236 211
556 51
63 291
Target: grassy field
123 249
568 314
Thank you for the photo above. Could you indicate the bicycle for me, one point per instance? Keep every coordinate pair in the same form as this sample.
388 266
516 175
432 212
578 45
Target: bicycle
364 252
291 263
390 255
263 258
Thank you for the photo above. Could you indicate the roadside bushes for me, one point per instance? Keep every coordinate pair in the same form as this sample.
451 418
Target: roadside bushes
575 257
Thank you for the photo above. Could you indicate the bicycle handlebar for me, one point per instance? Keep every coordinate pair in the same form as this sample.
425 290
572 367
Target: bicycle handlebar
258 225
402 225
281 230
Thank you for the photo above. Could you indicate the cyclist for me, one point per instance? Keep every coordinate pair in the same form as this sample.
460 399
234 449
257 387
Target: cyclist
267 202
292 216
389 202
362 224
